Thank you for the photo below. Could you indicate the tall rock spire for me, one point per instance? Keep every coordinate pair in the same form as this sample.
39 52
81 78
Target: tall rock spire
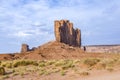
65 33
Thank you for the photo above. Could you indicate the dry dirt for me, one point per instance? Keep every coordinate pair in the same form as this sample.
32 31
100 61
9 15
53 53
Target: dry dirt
94 75
54 50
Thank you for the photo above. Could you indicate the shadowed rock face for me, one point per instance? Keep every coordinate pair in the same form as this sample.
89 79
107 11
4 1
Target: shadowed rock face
65 33
24 48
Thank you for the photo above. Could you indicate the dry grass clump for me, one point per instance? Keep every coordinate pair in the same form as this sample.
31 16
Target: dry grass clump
91 61
68 64
2 71
63 72
42 64
47 67
17 63
84 73
7 64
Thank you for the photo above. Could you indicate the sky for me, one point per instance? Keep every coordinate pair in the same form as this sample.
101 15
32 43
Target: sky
32 21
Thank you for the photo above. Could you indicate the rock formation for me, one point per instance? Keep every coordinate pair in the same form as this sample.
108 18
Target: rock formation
65 33
24 48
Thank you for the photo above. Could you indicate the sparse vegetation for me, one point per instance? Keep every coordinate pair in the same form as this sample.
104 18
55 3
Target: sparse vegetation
2 71
17 63
91 61
47 67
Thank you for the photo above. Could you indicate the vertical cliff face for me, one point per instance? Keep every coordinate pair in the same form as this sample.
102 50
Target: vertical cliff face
65 33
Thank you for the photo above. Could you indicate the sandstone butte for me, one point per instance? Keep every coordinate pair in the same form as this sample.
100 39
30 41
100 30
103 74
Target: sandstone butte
64 33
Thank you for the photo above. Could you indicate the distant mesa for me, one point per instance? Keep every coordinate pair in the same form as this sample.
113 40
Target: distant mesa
65 33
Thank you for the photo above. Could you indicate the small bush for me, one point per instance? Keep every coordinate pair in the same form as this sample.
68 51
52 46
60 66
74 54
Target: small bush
9 65
60 63
69 64
50 62
41 64
2 71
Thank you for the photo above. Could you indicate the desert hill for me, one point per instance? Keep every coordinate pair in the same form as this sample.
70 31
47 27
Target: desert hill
50 50
54 50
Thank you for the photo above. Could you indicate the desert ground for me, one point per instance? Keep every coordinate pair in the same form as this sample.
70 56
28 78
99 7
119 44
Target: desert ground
57 61
63 69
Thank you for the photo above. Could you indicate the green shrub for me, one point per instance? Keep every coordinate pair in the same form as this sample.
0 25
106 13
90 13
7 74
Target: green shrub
2 71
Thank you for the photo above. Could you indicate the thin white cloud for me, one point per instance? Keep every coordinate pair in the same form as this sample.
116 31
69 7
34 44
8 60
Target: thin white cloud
21 34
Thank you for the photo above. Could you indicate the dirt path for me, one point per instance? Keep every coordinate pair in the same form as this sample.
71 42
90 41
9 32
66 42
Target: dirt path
102 76
94 75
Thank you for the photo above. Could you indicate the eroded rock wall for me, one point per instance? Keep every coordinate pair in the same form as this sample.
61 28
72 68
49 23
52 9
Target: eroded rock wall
24 48
65 33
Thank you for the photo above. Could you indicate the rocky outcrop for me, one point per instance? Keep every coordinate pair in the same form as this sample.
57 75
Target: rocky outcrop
65 33
24 48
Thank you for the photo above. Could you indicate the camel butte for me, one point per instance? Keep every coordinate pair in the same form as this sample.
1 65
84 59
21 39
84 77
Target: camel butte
67 45
64 34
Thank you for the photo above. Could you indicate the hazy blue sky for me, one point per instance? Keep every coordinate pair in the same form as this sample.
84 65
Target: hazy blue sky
32 21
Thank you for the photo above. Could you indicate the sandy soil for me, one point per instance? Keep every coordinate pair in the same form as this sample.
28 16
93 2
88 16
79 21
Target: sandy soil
61 51
94 75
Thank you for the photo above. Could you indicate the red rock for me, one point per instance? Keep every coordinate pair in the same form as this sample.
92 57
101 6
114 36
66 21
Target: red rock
65 33
24 48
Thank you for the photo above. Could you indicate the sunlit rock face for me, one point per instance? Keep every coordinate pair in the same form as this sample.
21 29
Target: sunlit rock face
65 33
